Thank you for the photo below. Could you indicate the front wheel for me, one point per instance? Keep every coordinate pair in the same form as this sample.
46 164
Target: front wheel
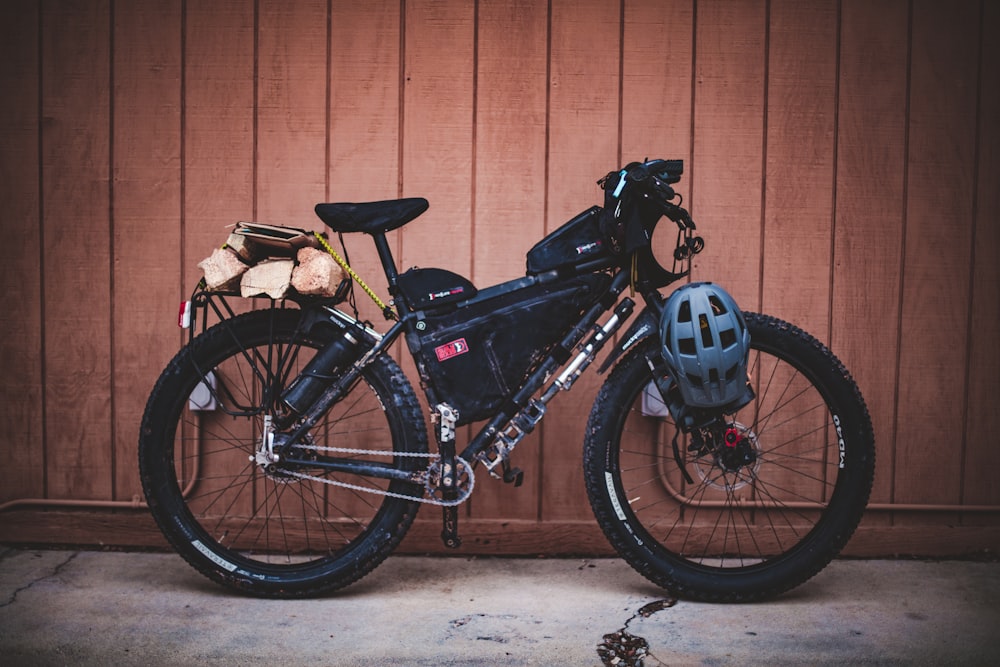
258 526
753 505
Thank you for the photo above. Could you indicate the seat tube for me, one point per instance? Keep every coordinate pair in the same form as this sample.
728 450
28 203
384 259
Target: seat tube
385 256
391 272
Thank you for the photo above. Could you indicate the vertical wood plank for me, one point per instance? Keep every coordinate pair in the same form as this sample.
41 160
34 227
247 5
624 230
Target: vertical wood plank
656 82
510 185
656 93
801 111
364 101
726 177
146 171
980 486
218 127
21 467
364 122
933 352
75 179
798 190
363 131
437 133
510 137
583 147
219 154
291 111
871 150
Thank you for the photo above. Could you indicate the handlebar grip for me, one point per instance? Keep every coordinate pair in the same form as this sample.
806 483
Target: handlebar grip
673 170
669 171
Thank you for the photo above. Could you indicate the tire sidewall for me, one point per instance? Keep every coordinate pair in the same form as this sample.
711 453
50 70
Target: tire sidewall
812 553
183 530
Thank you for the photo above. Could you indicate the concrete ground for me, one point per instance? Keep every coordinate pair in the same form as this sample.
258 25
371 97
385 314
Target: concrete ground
107 608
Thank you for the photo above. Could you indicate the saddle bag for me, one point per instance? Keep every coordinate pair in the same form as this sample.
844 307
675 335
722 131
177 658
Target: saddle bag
476 355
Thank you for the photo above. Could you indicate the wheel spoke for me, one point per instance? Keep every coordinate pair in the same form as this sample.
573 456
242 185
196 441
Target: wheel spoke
732 518
250 514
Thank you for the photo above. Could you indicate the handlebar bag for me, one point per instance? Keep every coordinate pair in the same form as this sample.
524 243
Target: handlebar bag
477 355
628 218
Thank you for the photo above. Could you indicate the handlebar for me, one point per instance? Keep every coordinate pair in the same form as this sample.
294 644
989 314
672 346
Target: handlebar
654 178
635 198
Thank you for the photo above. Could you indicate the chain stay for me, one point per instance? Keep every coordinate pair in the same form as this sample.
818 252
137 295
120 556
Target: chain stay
463 493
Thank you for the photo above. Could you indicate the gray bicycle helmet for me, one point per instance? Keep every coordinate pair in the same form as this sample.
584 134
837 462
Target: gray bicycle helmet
706 345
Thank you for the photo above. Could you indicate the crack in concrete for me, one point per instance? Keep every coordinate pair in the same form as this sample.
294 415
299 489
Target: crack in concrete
623 649
55 572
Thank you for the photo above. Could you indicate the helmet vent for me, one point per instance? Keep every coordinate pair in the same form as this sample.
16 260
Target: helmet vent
706 332
727 338
687 346
684 311
694 379
718 308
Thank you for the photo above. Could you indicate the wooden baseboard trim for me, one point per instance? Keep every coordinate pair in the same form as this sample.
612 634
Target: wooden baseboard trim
135 529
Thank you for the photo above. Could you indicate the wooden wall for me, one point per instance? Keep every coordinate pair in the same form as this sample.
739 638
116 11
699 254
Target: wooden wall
842 159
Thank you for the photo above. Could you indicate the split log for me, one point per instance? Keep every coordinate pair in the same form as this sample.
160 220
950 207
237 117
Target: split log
271 277
317 273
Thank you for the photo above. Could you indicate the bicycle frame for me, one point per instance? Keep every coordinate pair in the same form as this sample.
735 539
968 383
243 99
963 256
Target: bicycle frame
520 414
509 425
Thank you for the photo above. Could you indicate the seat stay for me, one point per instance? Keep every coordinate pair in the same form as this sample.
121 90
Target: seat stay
377 217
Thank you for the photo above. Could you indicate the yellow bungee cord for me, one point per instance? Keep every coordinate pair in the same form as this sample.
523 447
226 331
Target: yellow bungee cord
386 310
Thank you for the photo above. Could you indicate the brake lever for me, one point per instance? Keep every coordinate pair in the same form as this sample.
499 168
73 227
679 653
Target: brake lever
689 246
679 215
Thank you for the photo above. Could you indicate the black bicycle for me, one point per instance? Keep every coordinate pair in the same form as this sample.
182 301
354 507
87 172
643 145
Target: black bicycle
284 453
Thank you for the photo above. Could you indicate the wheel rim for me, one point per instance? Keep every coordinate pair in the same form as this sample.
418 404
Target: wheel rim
742 504
246 515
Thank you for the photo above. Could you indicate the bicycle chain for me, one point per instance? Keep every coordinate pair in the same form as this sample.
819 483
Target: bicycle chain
370 452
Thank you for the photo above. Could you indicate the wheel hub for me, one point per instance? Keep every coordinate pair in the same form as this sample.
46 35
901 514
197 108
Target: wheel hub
732 450
273 449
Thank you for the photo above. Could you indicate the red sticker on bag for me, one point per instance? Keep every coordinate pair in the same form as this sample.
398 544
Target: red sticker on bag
452 349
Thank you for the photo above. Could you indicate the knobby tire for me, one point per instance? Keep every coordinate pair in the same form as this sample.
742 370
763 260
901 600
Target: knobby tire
734 529
261 531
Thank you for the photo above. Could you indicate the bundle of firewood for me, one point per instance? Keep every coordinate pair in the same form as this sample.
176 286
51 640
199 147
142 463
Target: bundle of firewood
269 260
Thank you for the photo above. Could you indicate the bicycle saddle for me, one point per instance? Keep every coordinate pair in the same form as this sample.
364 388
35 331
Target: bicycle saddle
375 217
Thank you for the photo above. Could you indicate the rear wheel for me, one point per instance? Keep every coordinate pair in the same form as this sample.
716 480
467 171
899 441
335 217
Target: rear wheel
754 504
259 527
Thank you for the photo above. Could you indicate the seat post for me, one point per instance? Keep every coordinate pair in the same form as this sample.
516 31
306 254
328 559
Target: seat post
388 263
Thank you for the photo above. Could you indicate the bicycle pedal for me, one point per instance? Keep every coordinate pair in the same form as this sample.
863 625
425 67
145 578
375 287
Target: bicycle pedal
527 419
513 476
